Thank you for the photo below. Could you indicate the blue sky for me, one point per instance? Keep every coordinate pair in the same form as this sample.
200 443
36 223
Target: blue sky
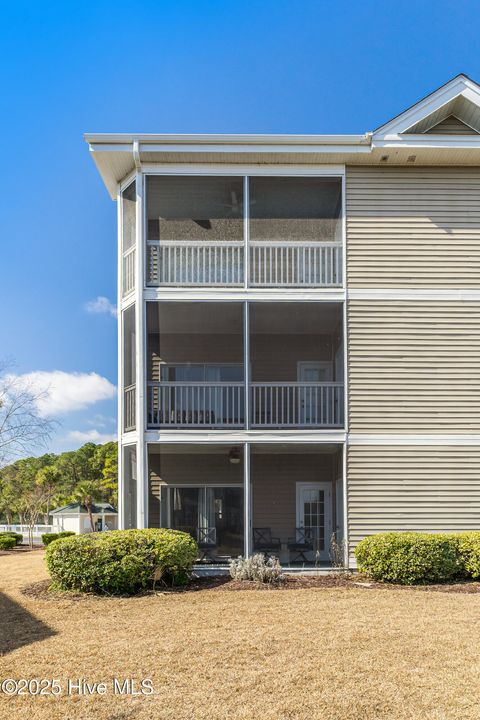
204 66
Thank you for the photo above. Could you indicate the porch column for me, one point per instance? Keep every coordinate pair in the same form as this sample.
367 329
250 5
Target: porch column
246 361
140 380
247 500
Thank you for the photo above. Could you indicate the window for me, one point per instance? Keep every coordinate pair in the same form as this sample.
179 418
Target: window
201 373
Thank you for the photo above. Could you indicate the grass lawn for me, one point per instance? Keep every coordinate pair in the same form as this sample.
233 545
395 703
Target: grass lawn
331 654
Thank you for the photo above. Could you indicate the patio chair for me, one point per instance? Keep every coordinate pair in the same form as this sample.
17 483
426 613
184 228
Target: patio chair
206 541
300 544
264 542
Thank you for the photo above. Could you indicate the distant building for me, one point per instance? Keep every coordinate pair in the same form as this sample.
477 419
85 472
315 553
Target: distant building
75 517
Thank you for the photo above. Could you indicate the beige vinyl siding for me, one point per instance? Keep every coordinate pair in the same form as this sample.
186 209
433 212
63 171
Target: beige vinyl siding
274 480
414 366
413 227
451 126
422 488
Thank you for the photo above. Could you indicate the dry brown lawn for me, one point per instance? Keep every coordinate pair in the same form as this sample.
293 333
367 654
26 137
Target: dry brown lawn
335 653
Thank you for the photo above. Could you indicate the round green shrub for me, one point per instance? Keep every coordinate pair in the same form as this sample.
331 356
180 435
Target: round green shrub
47 538
469 549
7 542
410 558
10 533
120 561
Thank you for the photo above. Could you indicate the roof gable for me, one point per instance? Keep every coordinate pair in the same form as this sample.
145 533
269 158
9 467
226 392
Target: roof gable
459 98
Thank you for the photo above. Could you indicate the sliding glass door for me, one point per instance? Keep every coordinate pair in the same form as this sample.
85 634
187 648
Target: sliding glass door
212 515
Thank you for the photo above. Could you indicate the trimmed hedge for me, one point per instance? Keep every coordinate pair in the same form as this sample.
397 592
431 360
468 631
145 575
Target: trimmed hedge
121 561
469 550
410 558
47 538
7 542
10 533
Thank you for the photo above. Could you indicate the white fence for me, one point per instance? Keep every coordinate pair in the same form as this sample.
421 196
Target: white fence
38 530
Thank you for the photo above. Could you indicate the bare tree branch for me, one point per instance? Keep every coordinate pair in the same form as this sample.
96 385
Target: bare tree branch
22 428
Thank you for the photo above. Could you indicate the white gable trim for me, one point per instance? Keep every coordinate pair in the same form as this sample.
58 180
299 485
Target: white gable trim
460 85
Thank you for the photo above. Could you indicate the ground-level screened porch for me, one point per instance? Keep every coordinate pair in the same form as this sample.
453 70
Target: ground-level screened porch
283 500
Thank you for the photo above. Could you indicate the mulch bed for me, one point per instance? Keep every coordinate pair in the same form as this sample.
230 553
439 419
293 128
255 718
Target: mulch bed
42 591
21 549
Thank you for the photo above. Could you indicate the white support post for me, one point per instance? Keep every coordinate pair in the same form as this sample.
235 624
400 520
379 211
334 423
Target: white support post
247 500
140 380
345 505
120 383
246 361
246 232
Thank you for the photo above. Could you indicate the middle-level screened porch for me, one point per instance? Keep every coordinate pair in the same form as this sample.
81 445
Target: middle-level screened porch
245 365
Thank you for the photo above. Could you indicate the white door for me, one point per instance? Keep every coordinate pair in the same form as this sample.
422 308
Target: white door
314 515
313 398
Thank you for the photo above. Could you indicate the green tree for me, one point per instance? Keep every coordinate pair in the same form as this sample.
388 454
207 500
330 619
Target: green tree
106 457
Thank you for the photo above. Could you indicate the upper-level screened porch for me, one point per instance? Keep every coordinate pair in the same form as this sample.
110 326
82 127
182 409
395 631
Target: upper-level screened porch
214 231
206 371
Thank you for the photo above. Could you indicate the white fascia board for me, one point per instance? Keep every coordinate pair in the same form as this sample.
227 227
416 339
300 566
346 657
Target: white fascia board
281 148
458 86
427 141
122 140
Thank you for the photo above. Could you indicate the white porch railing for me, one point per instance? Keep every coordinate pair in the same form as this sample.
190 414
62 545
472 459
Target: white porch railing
128 270
129 408
184 263
314 264
183 404
179 404
272 263
297 404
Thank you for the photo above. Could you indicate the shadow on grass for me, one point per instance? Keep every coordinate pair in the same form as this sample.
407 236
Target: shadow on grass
18 627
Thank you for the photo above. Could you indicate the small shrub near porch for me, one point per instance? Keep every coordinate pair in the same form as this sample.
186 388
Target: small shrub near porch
257 569
469 550
121 561
410 558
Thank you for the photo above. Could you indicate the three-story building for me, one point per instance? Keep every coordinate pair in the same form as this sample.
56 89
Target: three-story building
299 331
